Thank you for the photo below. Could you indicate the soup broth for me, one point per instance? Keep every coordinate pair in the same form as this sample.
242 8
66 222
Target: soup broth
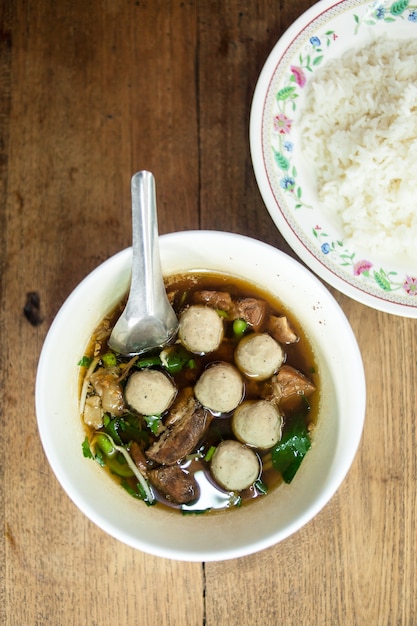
181 451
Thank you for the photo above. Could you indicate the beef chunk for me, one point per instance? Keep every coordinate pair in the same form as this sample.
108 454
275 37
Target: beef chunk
184 403
281 330
174 483
291 382
176 442
216 299
252 310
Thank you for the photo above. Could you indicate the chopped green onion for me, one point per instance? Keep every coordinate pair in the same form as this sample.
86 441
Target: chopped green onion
113 428
105 444
146 489
209 454
99 458
132 492
85 361
261 487
109 359
148 361
119 468
235 500
194 511
239 328
137 493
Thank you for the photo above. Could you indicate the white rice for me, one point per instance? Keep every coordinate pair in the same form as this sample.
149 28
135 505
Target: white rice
359 129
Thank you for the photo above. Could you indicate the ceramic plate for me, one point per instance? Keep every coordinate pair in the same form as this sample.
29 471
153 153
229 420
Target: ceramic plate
326 31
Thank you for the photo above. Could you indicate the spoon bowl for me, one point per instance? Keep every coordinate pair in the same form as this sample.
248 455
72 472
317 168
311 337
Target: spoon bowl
148 320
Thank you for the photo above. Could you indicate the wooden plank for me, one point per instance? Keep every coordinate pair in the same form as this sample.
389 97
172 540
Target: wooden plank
231 58
92 101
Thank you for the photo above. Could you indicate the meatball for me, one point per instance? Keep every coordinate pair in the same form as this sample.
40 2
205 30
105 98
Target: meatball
257 423
234 466
150 392
201 329
220 388
259 356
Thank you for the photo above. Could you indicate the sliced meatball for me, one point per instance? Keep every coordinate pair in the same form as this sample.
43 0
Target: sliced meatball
220 388
257 423
234 466
252 310
106 384
200 329
149 392
176 442
281 330
175 484
259 356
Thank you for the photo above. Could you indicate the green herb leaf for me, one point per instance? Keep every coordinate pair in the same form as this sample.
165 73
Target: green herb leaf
291 450
153 422
175 358
87 453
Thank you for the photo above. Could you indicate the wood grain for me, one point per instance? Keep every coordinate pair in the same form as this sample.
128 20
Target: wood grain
89 93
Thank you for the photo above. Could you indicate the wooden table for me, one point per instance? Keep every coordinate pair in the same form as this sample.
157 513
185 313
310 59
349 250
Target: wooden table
89 93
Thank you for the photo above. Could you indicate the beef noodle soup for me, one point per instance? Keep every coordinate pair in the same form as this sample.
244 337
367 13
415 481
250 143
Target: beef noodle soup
217 419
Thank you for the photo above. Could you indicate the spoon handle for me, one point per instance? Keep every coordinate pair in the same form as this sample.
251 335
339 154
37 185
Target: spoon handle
146 282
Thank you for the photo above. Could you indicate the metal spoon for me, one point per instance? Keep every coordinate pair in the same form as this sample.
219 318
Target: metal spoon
148 320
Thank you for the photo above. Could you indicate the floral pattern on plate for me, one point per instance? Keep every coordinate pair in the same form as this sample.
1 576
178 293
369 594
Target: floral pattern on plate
387 281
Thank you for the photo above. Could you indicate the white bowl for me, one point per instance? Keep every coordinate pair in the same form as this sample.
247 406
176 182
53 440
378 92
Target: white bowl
228 534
